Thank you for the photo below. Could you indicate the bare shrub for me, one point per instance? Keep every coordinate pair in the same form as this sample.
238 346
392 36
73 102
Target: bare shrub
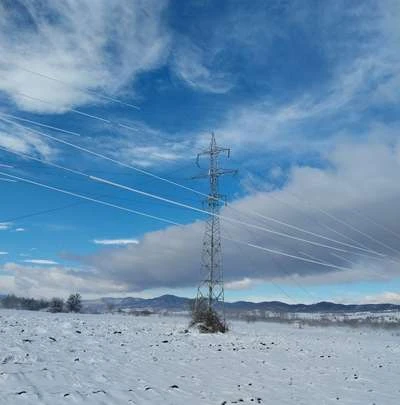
56 305
206 319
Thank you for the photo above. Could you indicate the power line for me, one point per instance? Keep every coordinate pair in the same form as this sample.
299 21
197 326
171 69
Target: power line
41 212
92 116
332 217
179 204
88 198
337 256
343 258
255 213
369 219
250 258
74 110
92 200
303 230
7 180
272 251
385 228
24 155
280 253
195 191
382 258
41 124
146 172
346 224
56 209
50 210
33 214
91 92
311 256
58 129
99 155
278 265
315 220
233 220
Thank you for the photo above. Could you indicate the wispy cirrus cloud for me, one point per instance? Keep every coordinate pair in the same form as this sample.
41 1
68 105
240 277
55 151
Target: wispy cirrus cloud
194 67
21 140
144 146
362 79
88 45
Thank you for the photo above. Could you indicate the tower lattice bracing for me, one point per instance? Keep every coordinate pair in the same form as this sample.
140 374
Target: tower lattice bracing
211 287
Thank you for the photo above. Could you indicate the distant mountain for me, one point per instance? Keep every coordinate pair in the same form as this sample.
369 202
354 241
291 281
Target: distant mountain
172 303
167 302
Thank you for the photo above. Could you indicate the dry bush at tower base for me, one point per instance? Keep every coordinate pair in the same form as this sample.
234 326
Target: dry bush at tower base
206 319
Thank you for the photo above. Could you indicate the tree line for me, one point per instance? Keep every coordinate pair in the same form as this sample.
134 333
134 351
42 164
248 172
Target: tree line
72 304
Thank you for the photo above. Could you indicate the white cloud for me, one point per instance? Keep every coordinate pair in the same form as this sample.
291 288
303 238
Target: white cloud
121 242
390 297
363 74
195 67
20 230
40 261
17 139
361 177
362 192
206 55
98 45
36 281
149 147
4 226
243 284
3 253
349 189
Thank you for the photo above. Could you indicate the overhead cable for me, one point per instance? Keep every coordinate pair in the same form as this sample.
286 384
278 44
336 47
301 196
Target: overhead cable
88 91
273 251
179 204
146 172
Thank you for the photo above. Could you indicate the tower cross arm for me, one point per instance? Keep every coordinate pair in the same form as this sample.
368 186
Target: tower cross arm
218 172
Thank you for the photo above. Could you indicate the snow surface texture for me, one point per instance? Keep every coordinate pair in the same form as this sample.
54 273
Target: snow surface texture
119 359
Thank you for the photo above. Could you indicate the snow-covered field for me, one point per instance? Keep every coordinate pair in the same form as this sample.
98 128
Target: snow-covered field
119 359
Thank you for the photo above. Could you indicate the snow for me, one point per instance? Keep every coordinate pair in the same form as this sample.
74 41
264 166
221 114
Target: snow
120 359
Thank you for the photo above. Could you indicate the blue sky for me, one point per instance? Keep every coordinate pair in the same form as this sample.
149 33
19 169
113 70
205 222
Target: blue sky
305 94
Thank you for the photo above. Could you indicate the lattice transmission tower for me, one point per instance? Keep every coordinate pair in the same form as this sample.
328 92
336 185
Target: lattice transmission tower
211 287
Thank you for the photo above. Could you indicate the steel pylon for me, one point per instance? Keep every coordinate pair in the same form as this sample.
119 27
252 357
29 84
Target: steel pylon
211 286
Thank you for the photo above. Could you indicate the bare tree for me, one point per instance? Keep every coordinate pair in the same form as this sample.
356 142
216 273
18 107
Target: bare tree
56 305
74 303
